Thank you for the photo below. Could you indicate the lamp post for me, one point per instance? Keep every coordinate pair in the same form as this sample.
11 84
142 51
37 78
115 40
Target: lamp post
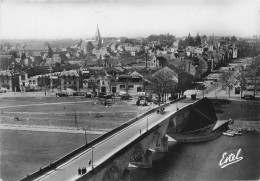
147 124
86 140
75 118
215 89
92 155
76 122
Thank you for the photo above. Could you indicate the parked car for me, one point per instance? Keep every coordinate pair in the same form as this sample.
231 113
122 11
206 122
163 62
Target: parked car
62 94
125 96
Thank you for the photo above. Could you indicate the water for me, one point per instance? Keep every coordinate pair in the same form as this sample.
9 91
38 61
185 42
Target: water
200 161
24 152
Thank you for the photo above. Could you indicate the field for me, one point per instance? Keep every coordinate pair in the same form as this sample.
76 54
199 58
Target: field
66 112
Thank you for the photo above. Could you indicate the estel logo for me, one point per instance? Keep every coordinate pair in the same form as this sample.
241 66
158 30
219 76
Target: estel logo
230 157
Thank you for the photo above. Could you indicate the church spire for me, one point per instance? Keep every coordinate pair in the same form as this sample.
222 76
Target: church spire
98 37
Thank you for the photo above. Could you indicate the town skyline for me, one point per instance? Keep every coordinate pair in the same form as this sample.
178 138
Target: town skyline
60 19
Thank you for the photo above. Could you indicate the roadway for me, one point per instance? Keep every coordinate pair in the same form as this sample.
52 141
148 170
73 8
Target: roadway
105 149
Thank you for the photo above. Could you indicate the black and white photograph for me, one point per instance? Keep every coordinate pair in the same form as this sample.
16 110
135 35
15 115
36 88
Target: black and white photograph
129 90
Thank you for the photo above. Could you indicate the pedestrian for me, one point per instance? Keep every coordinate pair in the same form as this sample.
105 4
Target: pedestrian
79 171
83 170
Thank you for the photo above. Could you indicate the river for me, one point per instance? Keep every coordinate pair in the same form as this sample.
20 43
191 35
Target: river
23 152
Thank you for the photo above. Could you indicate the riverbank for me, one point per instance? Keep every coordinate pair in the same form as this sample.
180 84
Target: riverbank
51 129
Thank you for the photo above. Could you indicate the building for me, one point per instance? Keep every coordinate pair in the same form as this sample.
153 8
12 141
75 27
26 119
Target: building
69 79
12 81
5 61
33 50
130 83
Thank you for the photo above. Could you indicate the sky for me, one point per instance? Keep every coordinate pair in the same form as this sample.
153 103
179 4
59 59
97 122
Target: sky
57 19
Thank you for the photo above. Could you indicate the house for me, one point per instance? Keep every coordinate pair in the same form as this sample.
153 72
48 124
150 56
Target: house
34 50
14 81
175 44
103 83
5 61
130 83
198 50
132 48
113 47
52 61
44 80
101 52
120 48
233 50
69 79
184 64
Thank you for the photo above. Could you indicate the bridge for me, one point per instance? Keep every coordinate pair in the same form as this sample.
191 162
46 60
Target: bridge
108 157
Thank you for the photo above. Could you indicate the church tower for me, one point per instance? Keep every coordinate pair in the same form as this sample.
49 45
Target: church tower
98 38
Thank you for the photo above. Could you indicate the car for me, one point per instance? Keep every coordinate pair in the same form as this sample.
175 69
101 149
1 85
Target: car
125 96
62 94
248 96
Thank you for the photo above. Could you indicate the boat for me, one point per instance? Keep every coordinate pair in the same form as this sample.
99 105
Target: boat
228 134
238 133
250 129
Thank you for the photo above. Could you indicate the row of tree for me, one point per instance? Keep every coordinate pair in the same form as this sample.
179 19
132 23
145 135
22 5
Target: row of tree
251 72
190 41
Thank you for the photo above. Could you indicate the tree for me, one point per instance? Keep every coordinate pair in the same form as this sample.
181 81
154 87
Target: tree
163 81
13 53
90 47
189 41
184 81
233 39
197 40
130 41
253 71
241 79
203 38
23 56
227 39
50 52
227 81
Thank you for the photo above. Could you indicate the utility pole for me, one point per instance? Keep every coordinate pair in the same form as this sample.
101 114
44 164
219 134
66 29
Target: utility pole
76 123
50 69
92 159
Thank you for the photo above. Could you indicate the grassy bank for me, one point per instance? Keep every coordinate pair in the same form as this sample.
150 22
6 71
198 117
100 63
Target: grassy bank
65 112
237 110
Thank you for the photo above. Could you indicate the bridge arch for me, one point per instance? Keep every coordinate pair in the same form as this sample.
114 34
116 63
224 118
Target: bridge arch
112 173
138 154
